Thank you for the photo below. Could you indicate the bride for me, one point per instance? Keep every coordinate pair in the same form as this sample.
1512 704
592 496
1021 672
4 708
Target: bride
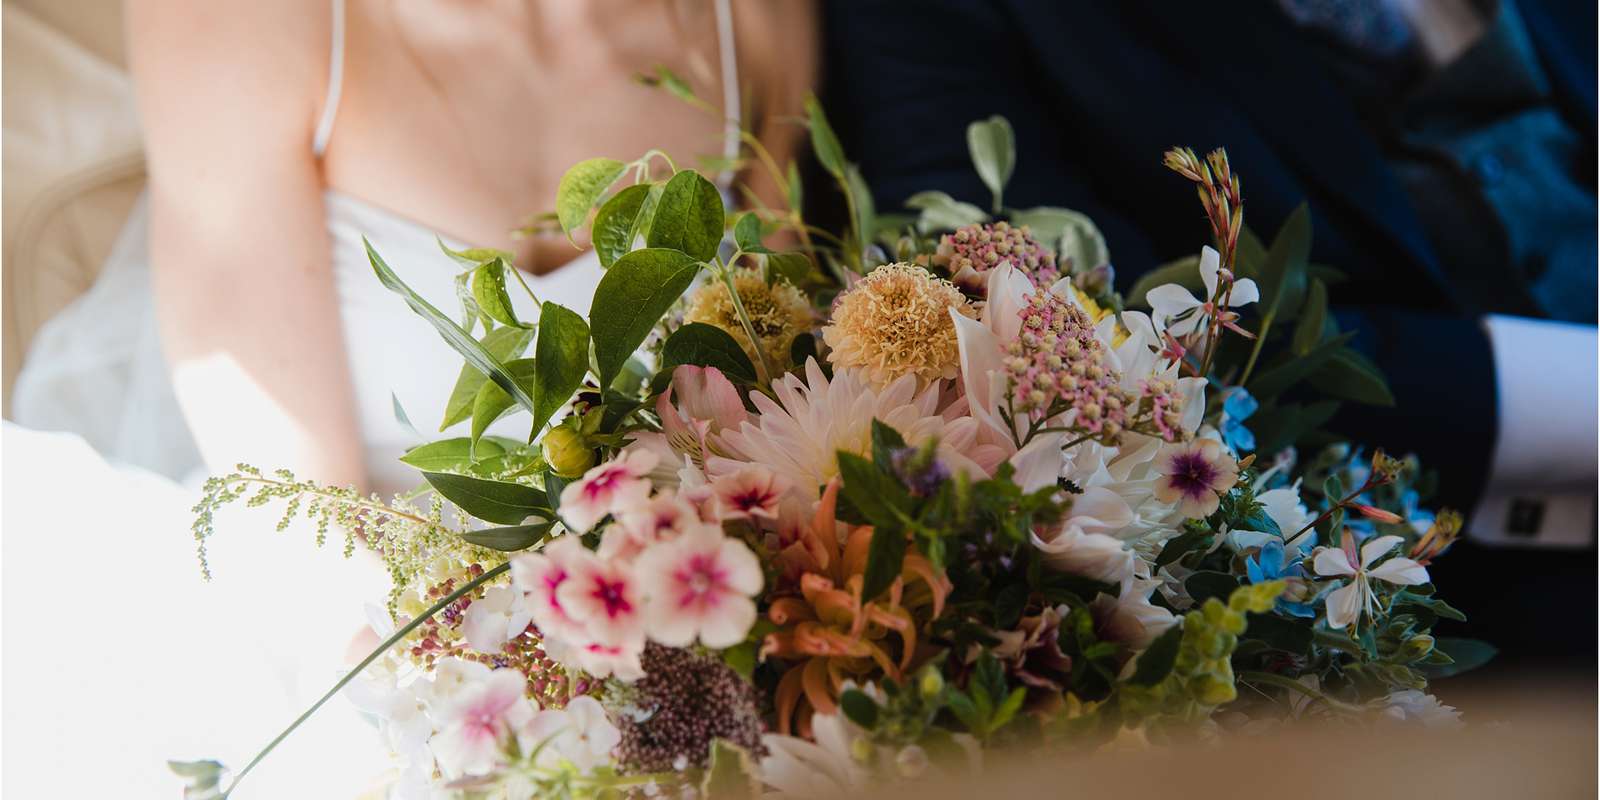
277 135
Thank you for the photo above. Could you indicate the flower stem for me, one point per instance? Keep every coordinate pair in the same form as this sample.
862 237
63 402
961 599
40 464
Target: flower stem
1336 506
763 371
1255 350
371 657
1294 685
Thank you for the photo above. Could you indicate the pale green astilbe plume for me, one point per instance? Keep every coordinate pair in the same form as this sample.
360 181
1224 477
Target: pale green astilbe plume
413 544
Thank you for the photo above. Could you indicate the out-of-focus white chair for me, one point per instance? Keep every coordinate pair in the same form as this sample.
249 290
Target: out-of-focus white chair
72 160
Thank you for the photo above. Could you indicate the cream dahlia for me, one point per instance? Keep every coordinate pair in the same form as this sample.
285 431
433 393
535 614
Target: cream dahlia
778 313
896 321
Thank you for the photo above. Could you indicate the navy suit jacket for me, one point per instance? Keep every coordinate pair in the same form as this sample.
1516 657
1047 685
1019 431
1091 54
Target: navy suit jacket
1097 91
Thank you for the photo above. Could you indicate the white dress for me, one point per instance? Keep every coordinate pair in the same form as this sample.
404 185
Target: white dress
118 655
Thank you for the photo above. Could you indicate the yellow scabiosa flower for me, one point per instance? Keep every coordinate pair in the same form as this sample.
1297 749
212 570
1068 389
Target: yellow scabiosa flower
895 322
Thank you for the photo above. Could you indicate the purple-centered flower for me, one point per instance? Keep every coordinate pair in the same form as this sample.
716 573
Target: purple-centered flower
1194 475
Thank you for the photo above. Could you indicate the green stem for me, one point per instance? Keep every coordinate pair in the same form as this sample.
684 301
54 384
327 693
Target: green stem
371 657
763 371
1335 507
1255 349
1294 685
525 287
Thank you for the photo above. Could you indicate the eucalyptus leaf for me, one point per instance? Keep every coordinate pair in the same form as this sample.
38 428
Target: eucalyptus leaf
688 217
630 300
491 501
510 539
489 290
1073 236
830 155
705 345
615 224
561 359
502 343
1184 271
940 211
993 146
453 334
581 187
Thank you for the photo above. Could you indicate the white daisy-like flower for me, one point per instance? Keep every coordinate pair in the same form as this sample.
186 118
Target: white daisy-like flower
1347 603
1181 313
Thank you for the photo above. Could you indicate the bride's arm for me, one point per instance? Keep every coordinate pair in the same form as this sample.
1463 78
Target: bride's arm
228 93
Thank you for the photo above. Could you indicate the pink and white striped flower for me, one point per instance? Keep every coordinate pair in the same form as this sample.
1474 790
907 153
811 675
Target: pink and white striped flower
603 597
751 491
474 728
700 585
616 484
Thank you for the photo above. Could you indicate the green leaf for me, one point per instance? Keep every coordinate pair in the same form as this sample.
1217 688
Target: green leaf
792 267
705 345
473 256
561 358
553 484
804 347
1308 332
1008 709
492 402
994 153
630 300
1283 634
874 493
1284 425
1207 584
451 455
885 557
1071 234
943 212
489 290
1155 663
965 710
468 347
1273 382
866 212
1283 274
616 223
1465 654
581 187
1185 272
859 708
1179 545
400 414
885 440
504 344
490 501
747 233
510 539
688 217
200 778
797 192
1349 375
731 773
675 86
830 155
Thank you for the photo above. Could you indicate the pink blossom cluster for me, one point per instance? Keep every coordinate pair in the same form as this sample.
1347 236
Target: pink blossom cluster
973 250
664 570
1164 406
1056 363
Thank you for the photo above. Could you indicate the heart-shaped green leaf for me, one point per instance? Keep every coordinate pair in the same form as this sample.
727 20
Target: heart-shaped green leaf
994 153
581 187
688 217
703 345
616 223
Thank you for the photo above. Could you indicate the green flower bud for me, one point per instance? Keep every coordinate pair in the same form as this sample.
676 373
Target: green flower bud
567 452
1417 647
931 685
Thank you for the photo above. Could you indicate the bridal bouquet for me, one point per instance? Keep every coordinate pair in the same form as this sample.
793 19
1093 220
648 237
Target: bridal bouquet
804 511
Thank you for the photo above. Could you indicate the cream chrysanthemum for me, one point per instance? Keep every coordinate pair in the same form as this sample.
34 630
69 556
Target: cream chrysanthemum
778 313
896 322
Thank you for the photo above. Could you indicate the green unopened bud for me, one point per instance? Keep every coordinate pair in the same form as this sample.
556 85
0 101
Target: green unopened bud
567 452
1417 647
931 685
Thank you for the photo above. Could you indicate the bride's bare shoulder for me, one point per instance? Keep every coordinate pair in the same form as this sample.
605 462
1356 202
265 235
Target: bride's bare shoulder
255 58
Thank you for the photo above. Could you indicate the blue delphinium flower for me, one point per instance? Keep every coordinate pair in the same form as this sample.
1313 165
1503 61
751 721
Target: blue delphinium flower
1236 408
1270 564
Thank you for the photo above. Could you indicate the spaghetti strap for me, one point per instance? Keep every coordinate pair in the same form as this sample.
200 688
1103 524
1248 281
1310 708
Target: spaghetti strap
330 104
731 110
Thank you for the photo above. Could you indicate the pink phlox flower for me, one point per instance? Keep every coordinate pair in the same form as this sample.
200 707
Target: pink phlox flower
613 485
475 728
700 586
751 491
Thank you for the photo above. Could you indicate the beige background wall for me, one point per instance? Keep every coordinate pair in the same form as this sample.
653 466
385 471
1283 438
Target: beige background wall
71 159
